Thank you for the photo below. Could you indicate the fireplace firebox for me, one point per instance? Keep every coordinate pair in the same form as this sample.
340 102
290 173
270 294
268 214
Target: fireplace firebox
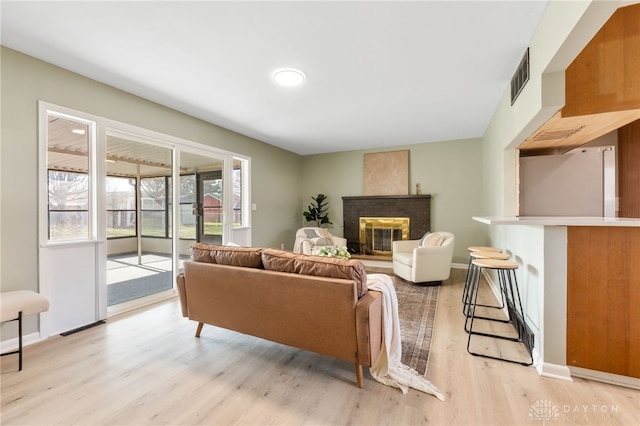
378 233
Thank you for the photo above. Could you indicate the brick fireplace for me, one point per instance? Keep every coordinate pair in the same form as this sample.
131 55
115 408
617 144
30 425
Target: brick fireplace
383 217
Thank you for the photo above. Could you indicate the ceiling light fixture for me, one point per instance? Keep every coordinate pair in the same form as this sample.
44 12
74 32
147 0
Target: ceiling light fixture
289 77
78 131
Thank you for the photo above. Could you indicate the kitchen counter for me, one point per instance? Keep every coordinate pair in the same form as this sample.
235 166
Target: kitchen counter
559 221
579 282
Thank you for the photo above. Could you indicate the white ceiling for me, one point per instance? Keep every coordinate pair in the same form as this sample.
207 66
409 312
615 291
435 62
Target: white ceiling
379 74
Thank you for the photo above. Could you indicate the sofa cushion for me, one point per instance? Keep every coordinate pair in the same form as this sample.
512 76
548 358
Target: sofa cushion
201 252
404 257
279 260
330 267
248 257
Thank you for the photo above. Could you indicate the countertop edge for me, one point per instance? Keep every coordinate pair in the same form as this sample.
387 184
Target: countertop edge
558 221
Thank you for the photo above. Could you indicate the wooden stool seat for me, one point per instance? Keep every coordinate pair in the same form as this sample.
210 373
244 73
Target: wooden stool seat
472 270
495 263
480 248
489 255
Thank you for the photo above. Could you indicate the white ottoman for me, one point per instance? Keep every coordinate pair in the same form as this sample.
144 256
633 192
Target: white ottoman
16 304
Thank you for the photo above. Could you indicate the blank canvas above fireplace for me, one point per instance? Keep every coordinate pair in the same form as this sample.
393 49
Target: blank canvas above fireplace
386 173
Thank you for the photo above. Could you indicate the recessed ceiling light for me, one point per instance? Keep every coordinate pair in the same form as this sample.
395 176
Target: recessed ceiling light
288 77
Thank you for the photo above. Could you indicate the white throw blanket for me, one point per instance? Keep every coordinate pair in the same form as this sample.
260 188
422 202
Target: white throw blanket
388 368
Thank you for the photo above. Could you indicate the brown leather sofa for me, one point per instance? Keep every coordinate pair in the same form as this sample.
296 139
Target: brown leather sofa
313 303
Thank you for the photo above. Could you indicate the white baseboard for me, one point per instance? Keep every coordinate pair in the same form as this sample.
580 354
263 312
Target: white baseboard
600 376
12 344
554 371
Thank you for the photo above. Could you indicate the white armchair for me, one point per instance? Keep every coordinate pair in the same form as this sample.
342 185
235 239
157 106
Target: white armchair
424 260
311 239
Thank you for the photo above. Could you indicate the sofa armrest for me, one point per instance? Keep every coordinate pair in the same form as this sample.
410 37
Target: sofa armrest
369 327
182 293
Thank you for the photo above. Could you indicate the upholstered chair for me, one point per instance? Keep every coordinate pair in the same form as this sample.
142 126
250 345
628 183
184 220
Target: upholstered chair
425 260
311 239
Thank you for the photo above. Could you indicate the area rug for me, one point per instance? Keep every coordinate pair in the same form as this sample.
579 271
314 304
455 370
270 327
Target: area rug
138 287
417 310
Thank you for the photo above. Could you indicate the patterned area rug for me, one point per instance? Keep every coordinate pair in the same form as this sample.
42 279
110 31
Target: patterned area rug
417 310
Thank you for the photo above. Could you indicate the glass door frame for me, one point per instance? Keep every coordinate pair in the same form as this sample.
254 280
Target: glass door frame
98 192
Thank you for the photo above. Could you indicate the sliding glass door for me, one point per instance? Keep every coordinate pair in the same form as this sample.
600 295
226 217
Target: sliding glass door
121 207
138 227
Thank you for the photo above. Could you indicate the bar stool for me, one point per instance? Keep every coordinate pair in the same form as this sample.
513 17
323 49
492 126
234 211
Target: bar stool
506 271
472 270
474 249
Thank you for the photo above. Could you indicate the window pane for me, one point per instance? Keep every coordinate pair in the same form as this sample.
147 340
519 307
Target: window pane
153 223
68 178
121 223
238 202
68 191
121 205
187 189
153 193
68 225
121 193
187 222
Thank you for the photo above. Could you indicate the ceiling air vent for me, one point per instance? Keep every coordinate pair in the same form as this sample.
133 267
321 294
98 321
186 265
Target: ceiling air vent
520 77
550 135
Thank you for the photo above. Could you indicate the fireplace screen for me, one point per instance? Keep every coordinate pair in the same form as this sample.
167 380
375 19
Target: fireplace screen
377 234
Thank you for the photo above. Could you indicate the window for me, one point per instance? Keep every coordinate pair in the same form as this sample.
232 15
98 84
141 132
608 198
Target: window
153 207
121 207
68 143
240 198
68 205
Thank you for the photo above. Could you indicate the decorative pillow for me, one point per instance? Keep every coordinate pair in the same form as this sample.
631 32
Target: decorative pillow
423 239
311 233
323 242
248 257
434 240
201 252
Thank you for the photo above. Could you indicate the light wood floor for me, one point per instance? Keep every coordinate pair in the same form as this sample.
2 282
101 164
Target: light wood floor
146 367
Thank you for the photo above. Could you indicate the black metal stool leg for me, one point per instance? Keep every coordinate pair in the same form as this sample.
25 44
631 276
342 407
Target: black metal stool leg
19 351
509 287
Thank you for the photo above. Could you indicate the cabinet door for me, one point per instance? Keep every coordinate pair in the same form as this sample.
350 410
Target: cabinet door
603 295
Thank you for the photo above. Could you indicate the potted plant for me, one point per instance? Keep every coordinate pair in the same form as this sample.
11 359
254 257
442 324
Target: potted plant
317 211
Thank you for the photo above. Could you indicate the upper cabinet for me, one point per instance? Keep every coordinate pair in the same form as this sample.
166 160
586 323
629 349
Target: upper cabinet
602 88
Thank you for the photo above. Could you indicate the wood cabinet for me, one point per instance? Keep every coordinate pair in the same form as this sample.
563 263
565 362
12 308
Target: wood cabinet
602 88
629 170
603 299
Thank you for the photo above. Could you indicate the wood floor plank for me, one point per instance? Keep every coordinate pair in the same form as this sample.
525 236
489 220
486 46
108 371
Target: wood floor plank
147 368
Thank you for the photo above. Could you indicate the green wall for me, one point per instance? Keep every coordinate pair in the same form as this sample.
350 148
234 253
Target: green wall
450 171
25 80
